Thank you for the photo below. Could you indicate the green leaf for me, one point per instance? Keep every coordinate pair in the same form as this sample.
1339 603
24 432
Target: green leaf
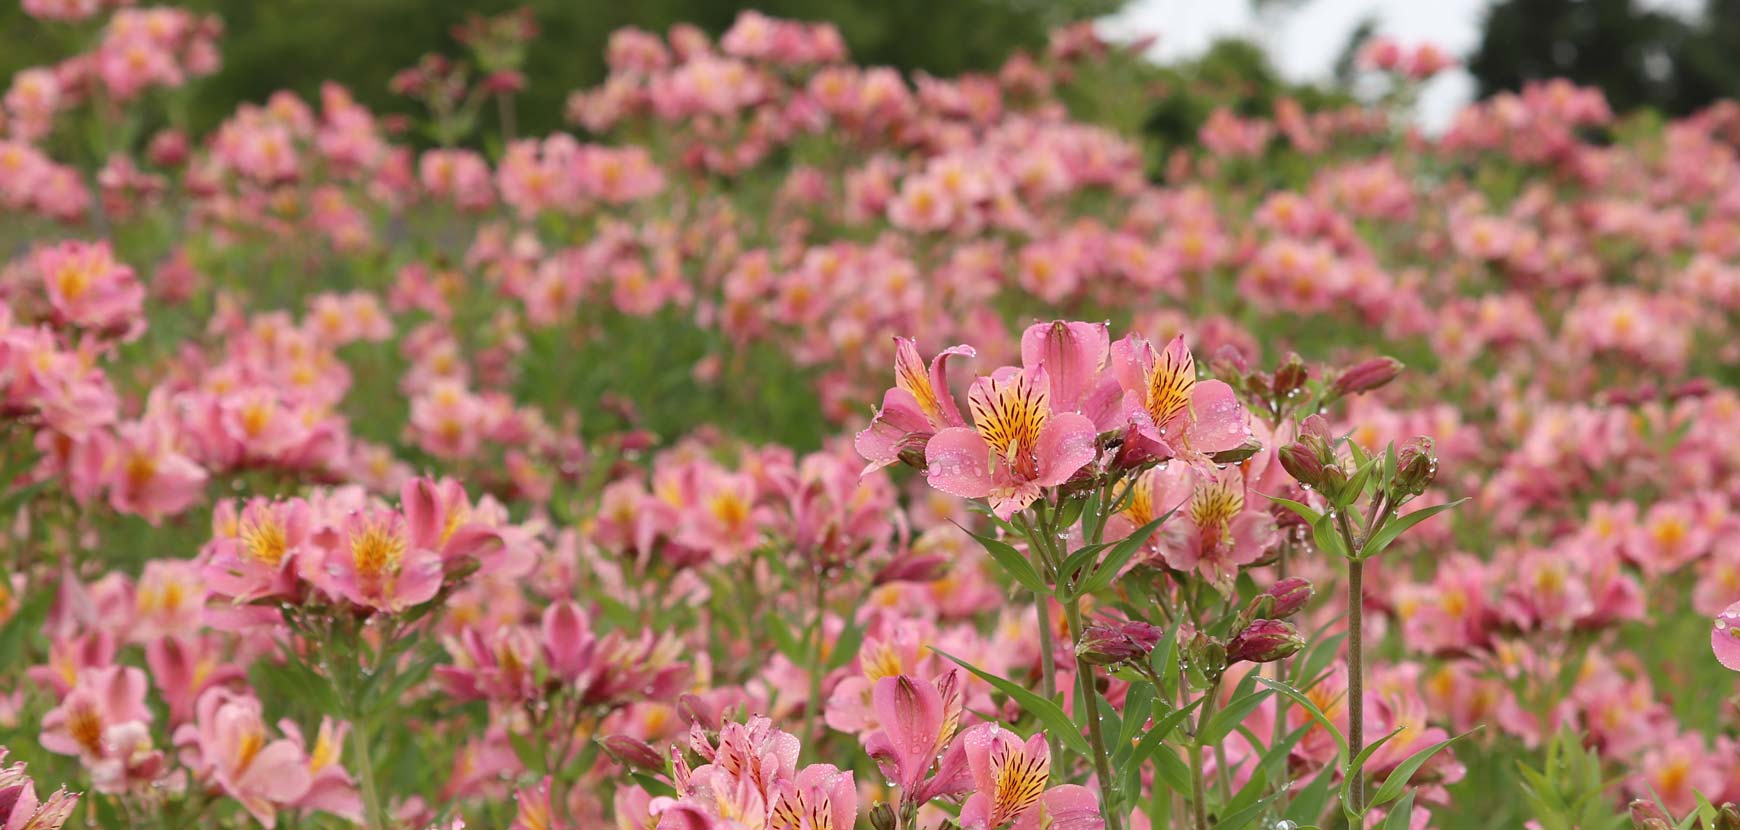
1078 560
1120 555
1398 778
1310 708
1244 816
1401 817
1308 804
1048 712
654 786
1014 563
1240 704
1172 770
1356 769
1396 527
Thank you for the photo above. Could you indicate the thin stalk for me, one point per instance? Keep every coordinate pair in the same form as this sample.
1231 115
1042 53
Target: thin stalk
371 797
1356 675
815 704
1090 699
1355 662
1042 608
1210 699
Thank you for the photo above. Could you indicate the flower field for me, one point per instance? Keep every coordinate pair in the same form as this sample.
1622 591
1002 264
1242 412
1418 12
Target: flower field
792 444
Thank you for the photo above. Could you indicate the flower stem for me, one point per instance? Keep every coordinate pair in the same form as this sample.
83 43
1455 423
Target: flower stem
373 811
1090 700
1042 608
1199 798
1356 680
815 704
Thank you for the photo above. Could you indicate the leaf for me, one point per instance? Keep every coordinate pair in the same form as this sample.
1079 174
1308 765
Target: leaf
1243 817
1308 804
1172 770
1048 712
1115 561
1402 816
1398 778
1356 769
1323 532
1310 708
654 786
1396 527
1078 560
1239 705
1012 561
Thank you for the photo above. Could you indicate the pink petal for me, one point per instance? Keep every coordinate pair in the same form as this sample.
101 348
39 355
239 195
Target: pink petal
1221 421
957 462
1725 637
1066 444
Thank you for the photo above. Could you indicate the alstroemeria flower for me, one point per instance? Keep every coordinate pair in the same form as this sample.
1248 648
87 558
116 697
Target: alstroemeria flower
1171 414
1016 447
259 560
1725 637
375 564
918 720
916 408
20 808
227 743
1009 783
1217 529
1075 356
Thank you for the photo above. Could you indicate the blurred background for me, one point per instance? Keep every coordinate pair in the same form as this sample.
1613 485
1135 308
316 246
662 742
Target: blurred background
1674 56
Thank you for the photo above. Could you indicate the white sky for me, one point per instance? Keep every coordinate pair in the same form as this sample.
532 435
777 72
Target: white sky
1304 42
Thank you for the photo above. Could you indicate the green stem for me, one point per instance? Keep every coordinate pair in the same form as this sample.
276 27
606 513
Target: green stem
1356 679
815 703
1042 608
1355 663
1210 699
1090 700
373 810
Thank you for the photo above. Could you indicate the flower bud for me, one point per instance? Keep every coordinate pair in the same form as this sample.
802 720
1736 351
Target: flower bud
1116 642
1262 607
1728 817
1265 641
1290 595
1207 654
882 816
1290 376
913 567
1416 466
1303 464
1646 815
1366 376
633 753
697 711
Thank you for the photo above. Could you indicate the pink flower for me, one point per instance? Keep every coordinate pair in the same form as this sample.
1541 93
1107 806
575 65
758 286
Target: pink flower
1725 637
88 287
330 788
104 699
374 563
20 809
1170 413
148 474
918 719
1016 447
1009 786
918 406
228 745
259 559
184 668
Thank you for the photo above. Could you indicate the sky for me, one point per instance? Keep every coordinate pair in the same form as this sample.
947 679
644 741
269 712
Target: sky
1304 41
